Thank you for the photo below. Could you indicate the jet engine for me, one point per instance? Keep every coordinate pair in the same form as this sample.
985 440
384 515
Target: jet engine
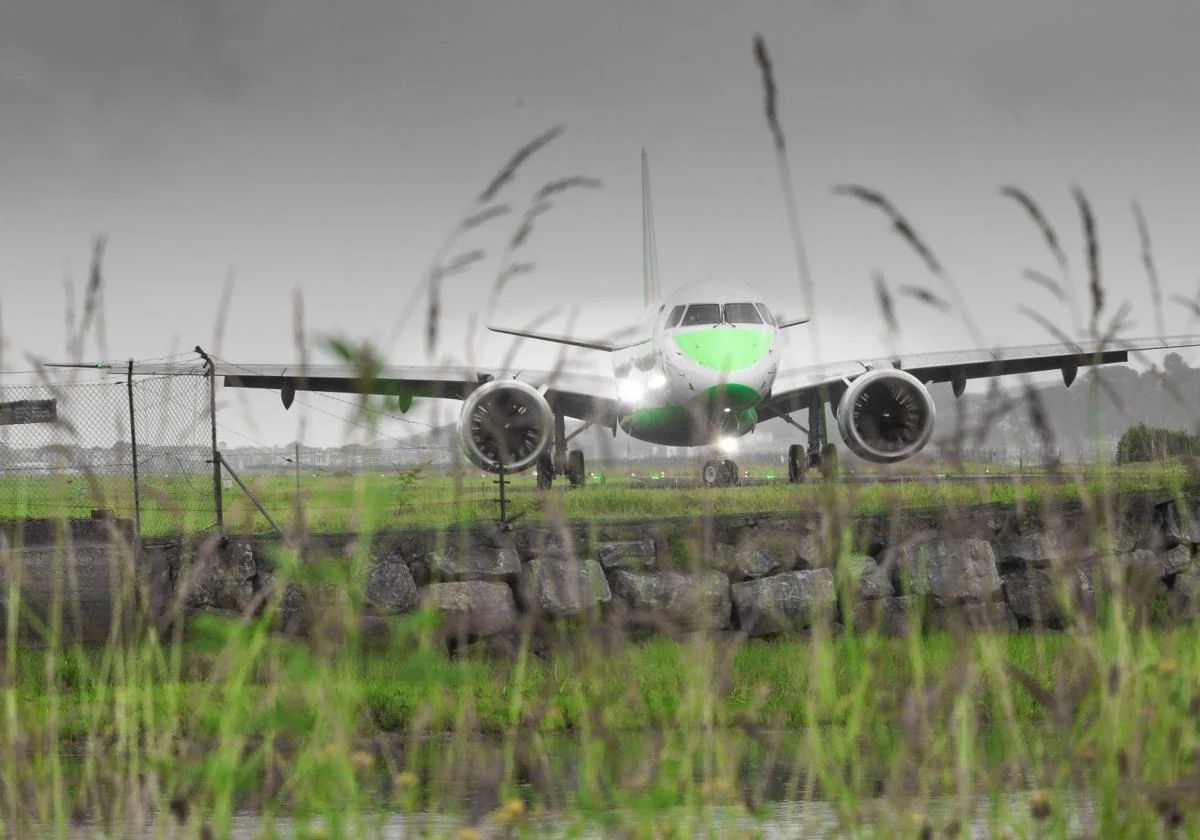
505 423
886 415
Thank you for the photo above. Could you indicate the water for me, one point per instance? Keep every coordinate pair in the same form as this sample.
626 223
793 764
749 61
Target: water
987 816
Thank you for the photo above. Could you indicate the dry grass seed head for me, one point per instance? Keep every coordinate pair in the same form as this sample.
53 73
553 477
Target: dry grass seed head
509 170
1150 266
900 224
1039 220
1046 282
926 297
770 91
1091 250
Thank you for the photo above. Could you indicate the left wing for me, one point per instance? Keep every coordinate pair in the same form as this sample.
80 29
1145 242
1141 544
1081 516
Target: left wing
795 388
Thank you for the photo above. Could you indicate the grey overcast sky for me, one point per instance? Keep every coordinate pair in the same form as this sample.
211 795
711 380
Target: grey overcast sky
329 148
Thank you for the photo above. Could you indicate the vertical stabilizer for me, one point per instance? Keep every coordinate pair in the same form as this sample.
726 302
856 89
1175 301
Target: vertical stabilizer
649 245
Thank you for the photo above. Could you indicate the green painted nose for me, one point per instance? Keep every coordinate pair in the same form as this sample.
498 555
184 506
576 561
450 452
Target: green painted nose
724 348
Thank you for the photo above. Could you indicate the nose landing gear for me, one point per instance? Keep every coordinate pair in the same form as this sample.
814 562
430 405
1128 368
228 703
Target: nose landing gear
719 473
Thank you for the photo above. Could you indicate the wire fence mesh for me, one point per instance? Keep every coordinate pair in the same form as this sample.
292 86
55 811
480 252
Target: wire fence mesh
67 451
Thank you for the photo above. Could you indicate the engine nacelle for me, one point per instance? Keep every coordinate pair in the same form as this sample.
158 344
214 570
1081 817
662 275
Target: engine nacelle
505 423
886 415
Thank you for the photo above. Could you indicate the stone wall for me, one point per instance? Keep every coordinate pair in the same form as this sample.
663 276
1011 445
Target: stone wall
984 568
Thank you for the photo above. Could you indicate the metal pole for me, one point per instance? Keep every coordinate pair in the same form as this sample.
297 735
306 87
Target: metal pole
222 462
216 455
503 497
137 490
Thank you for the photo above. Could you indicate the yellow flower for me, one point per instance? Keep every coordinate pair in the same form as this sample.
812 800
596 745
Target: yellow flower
512 811
405 779
362 760
1039 804
1166 666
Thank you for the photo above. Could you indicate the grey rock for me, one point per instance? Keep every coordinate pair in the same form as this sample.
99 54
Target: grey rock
1177 559
1035 548
1180 526
1185 595
698 601
810 548
874 582
294 613
242 562
559 587
784 602
1032 596
972 615
390 586
632 554
947 568
758 562
209 584
474 608
889 616
1142 565
748 559
475 563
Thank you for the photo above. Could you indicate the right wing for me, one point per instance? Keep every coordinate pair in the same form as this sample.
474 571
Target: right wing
590 344
590 397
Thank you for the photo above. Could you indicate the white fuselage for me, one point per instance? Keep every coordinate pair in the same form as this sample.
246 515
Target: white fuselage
710 356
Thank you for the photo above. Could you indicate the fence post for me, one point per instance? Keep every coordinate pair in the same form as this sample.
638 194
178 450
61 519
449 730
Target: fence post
216 455
137 489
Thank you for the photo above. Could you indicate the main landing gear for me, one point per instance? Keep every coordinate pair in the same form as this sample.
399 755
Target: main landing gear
561 461
820 455
800 461
719 473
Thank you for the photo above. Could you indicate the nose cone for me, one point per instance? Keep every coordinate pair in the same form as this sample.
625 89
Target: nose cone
724 349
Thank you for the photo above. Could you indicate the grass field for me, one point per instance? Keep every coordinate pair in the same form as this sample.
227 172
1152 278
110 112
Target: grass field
370 500
660 738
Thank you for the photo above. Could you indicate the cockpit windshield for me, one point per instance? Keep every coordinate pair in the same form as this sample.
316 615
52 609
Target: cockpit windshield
676 317
742 313
766 313
699 314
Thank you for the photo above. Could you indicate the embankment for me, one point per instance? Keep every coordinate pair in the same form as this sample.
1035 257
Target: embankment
981 568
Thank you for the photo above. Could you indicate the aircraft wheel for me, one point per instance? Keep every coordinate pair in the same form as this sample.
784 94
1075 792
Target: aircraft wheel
829 461
797 463
545 472
731 472
575 473
711 472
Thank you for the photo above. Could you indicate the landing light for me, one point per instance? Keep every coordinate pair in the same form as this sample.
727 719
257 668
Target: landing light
727 444
630 391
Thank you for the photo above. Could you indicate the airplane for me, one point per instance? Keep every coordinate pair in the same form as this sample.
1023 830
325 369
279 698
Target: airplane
702 367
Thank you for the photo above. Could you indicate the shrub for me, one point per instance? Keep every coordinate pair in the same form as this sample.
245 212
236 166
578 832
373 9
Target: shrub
1146 443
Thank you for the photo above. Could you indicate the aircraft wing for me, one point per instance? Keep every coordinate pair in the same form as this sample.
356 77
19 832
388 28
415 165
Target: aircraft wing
580 395
795 388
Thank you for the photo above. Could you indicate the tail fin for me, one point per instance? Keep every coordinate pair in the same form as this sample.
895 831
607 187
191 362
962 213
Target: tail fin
651 289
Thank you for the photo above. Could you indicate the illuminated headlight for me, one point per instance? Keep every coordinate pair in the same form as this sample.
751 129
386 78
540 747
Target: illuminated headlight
630 391
656 381
727 444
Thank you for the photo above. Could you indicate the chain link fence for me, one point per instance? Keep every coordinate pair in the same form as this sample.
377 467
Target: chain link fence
136 448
